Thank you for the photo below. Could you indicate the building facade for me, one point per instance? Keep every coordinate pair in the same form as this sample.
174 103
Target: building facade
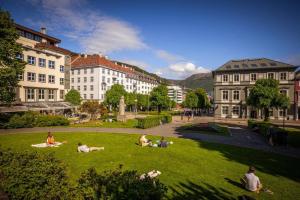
93 75
234 79
176 93
297 96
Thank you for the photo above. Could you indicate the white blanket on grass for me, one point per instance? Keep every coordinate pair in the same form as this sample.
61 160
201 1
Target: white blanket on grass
151 174
43 145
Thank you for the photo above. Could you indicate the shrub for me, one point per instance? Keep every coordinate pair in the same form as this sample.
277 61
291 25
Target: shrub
152 121
51 120
263 127
27 175
119 184
219 128
27 120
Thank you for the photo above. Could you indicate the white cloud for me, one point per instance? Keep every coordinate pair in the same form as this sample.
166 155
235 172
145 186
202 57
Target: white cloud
94 32
168 57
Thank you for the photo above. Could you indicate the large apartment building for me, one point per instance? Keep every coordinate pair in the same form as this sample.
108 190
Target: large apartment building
234 79
176 93
43 83
93 75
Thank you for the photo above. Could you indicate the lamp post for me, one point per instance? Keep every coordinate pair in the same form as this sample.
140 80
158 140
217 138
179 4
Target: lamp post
135 107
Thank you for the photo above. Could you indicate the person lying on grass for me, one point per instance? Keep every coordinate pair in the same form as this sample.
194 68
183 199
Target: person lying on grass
86 149
250 181
143 141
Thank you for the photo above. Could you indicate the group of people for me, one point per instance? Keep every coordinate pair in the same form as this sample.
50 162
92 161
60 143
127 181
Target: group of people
163 143
50 141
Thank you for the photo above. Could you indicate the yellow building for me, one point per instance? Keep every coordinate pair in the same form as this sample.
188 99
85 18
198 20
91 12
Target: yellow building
46 75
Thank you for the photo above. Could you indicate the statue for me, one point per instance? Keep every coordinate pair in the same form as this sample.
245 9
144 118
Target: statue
121 116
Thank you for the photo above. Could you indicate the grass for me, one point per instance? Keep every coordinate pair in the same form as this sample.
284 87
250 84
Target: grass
293 137
130 123
207 169
203 129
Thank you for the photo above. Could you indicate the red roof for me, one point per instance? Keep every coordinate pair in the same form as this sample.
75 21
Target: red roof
82 61
53 48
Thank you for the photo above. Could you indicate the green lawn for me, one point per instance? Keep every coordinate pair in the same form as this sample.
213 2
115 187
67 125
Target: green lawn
130 123
198 128
294 137
189 167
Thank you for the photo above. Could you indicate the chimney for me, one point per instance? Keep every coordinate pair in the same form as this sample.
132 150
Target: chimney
43 30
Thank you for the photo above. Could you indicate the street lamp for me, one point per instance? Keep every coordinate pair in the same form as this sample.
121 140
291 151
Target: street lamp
135 107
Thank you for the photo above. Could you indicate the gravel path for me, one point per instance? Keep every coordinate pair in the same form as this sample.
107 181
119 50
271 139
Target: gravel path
241 137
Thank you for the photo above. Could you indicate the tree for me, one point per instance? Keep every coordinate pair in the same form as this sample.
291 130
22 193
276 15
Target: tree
203 101
173 104
159 97
143 101
73 97
10 66
191 100
92 107
264 95
113 95
130 100
282 102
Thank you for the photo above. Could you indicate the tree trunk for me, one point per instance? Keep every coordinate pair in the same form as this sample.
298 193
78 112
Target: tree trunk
266 112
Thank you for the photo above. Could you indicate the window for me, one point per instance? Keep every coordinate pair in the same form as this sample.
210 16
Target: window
91 87
284 92
61 94
21 77
236 95
91 79
103 79
72 71
108 71
78 87
78 71
236 78
84 96
236 110
20 56
72 80
61 68
31 60
91 96
283 76
41 94
253 77
78 80
225 110
102 96
51 79
42 62
92 70
30 93
281 113
103 87
50 94
30 76
85 71
84 88
29 35
51 64
103 71
72 87
271 114
225 78
84 79
225 95
61 81
270 75
108 80
42 78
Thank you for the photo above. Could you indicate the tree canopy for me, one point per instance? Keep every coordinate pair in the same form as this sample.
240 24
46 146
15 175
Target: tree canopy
203 101
143 101
73 97
92 107
265 95
10 66
159 97
191 100
113 95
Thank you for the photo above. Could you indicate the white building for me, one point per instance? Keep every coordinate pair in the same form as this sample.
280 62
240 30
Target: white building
176 93
93 75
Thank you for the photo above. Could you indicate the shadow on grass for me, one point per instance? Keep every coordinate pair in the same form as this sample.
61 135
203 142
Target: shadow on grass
266 162
191 191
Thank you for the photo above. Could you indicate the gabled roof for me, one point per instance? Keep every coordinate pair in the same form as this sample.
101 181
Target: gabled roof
54 48
253 64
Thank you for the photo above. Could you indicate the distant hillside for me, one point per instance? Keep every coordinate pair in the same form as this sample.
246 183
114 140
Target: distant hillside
203 80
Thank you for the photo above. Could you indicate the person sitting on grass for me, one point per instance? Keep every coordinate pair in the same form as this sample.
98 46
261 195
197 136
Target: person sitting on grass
50 139
163 143
86 149
143 141
250 181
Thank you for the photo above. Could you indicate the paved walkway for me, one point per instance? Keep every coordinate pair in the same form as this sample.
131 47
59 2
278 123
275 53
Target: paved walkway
241 137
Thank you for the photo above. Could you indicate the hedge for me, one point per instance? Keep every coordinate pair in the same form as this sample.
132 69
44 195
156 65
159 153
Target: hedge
32 119
152 121
219 128
263 127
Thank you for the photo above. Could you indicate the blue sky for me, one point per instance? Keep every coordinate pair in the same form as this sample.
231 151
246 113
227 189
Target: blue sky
172 38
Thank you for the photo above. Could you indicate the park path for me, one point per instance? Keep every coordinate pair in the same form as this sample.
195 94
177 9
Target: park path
240 136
